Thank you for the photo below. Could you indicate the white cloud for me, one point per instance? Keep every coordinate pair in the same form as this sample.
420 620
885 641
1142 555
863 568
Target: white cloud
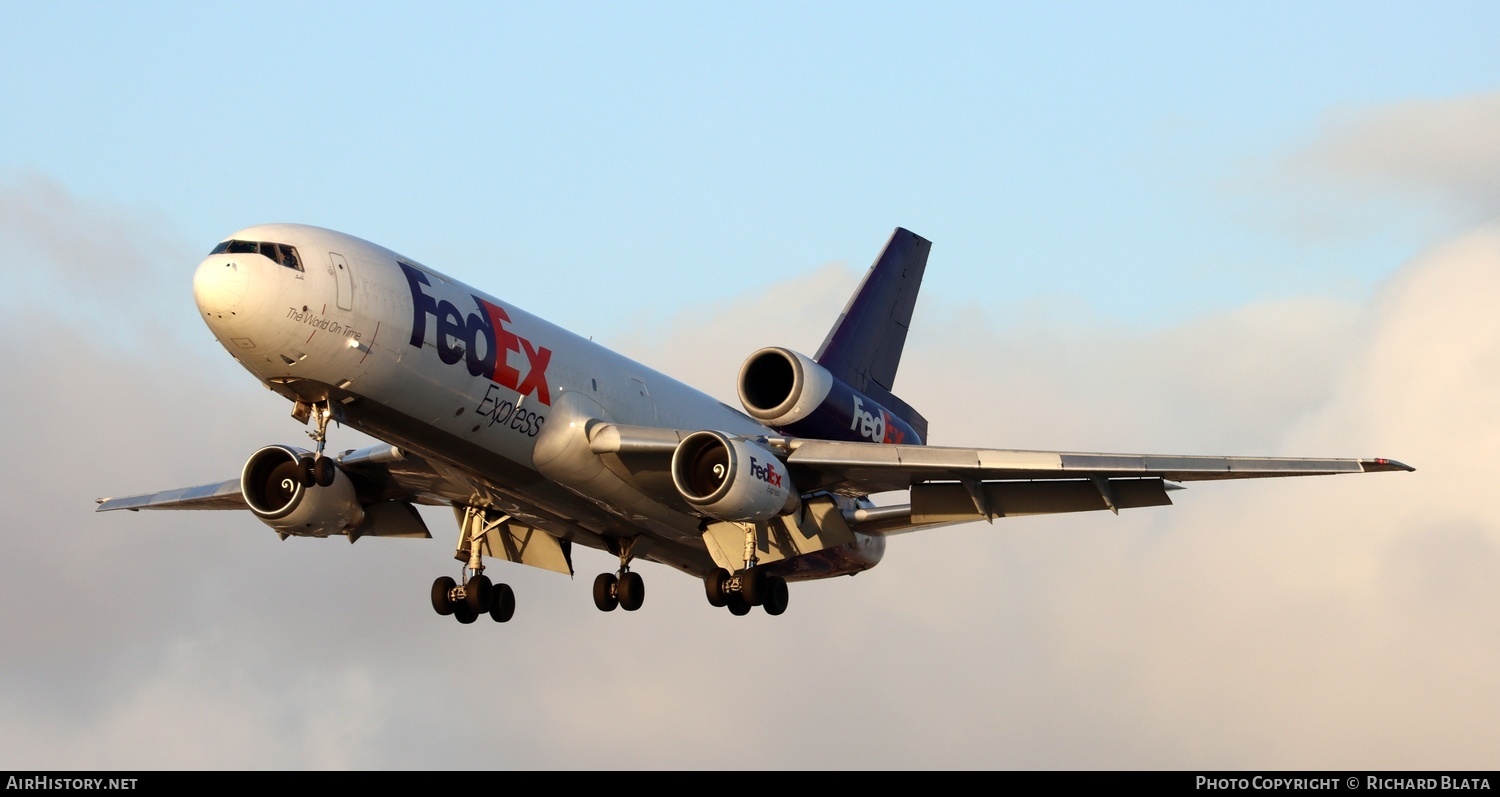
1420 170
1441 147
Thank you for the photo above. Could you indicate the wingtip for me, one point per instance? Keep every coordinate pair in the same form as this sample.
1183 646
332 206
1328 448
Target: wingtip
1382 464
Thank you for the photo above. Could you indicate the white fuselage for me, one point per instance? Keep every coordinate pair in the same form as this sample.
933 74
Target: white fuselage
337 324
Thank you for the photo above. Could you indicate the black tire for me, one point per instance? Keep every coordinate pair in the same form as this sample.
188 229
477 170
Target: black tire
776 596
605 595
477 594
462 613
753 586
713 585
737 605
503 604
441 589
305 471
632 591
324 471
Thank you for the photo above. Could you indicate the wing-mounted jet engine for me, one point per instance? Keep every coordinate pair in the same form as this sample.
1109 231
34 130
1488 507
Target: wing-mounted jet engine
732 479
276 493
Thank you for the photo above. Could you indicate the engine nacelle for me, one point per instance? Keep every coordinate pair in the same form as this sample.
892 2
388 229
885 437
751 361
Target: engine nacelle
791 393
273 491
732 479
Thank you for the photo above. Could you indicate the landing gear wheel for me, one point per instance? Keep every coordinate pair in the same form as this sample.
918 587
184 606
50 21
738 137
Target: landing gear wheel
776 596
464 614
305 472
737 605
753 586
323 471
632 591
714 586
503 604
441 589
605 595
477 594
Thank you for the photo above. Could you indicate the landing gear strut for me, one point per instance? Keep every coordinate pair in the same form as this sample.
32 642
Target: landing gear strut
623 588
318 469
477 595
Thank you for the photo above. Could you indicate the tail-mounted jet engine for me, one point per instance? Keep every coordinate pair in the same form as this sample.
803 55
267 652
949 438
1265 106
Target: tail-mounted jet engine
273 489
732 479
791 393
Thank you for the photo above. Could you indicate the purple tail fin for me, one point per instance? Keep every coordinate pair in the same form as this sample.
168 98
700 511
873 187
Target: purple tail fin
864 346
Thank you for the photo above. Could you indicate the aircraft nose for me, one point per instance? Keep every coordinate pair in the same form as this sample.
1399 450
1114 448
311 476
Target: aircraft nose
219 286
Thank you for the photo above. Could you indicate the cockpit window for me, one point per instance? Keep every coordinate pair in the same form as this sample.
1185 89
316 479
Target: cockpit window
289 257
285 254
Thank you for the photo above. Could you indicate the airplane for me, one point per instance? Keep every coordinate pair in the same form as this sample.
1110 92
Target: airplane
539 439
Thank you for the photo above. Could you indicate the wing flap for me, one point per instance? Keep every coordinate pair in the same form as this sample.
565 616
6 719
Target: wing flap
950 502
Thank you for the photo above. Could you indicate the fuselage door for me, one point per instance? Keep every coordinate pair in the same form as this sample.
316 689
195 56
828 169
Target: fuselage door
343 279
644 403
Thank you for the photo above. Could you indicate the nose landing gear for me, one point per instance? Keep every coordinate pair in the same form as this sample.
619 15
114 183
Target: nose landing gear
316 469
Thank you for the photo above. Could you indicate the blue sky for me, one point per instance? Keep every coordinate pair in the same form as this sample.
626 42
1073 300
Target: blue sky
1176 228
1097 153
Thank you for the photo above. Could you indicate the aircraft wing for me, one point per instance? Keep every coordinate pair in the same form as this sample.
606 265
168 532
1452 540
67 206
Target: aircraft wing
952 485
220 495
871 467
383 473
864 468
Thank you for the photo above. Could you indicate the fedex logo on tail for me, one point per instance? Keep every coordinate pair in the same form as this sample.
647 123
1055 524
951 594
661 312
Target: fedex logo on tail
480 339
877 427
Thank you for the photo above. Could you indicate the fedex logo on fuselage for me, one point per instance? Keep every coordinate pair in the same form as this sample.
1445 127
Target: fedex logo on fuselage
765 473
877 427
480 339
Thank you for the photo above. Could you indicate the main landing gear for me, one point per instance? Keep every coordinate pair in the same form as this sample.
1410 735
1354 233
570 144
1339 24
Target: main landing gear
745 589
749 587
318 469
477 595
624 588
